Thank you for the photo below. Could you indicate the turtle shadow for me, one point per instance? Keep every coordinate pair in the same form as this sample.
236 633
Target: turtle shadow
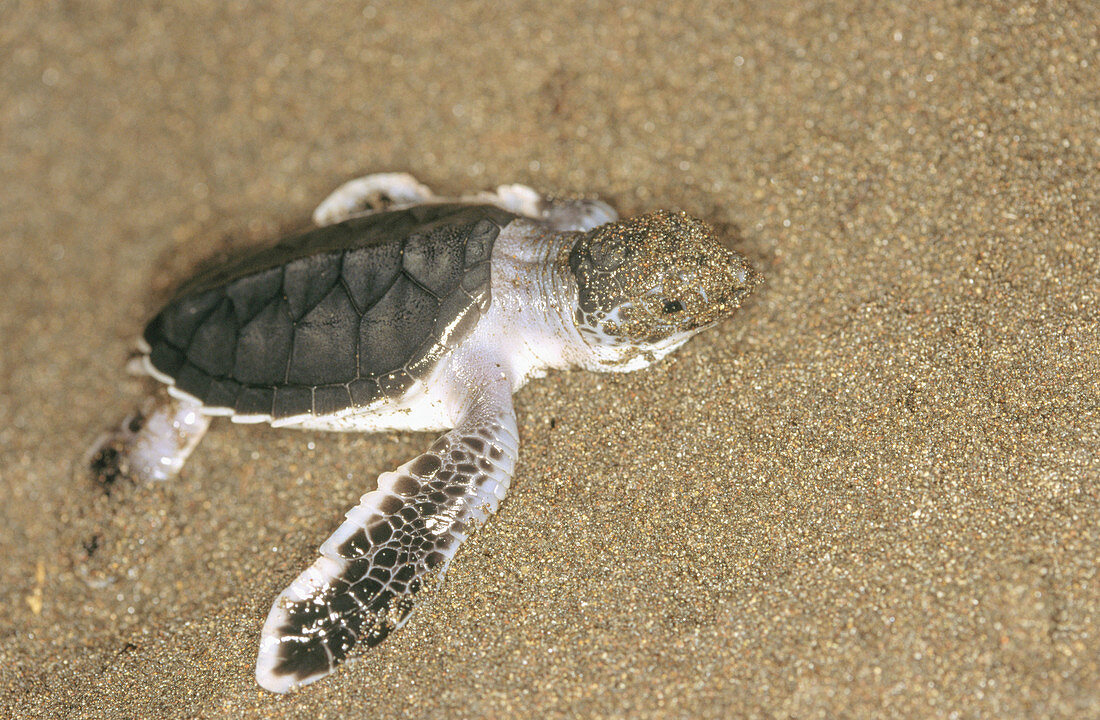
211 249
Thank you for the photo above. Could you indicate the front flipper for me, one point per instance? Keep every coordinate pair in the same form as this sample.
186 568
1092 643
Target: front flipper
576 214
561 214
371 193
395 543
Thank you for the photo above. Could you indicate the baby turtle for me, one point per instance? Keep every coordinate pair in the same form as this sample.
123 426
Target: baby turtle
407 311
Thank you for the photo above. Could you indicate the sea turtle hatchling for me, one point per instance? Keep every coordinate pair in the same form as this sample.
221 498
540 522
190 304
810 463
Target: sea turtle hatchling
407 311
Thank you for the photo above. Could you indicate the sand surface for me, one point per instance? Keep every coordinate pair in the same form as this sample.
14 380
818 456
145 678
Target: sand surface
873 493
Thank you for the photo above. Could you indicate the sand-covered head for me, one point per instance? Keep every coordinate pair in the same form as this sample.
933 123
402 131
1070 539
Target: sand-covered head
646 285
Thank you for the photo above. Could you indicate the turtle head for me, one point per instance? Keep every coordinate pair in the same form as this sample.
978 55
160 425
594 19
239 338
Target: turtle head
646 285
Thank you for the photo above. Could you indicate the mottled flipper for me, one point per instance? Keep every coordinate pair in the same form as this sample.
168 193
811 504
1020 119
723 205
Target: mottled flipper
396 542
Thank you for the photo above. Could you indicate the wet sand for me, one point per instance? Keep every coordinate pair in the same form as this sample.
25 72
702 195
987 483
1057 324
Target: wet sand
873 493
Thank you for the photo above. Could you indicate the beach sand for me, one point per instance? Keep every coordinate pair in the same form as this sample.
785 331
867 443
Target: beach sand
872 493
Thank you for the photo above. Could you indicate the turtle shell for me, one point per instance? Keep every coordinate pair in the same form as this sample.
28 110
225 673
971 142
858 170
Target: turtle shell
338 317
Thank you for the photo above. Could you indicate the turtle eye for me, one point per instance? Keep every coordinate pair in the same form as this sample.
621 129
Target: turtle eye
673 306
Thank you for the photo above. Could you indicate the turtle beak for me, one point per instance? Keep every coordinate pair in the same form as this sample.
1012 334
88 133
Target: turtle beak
747 278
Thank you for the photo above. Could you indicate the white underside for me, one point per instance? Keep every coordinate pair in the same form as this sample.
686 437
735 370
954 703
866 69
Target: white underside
424 406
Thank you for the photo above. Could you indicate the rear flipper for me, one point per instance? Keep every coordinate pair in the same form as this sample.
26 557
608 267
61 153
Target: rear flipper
398 541
151 444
